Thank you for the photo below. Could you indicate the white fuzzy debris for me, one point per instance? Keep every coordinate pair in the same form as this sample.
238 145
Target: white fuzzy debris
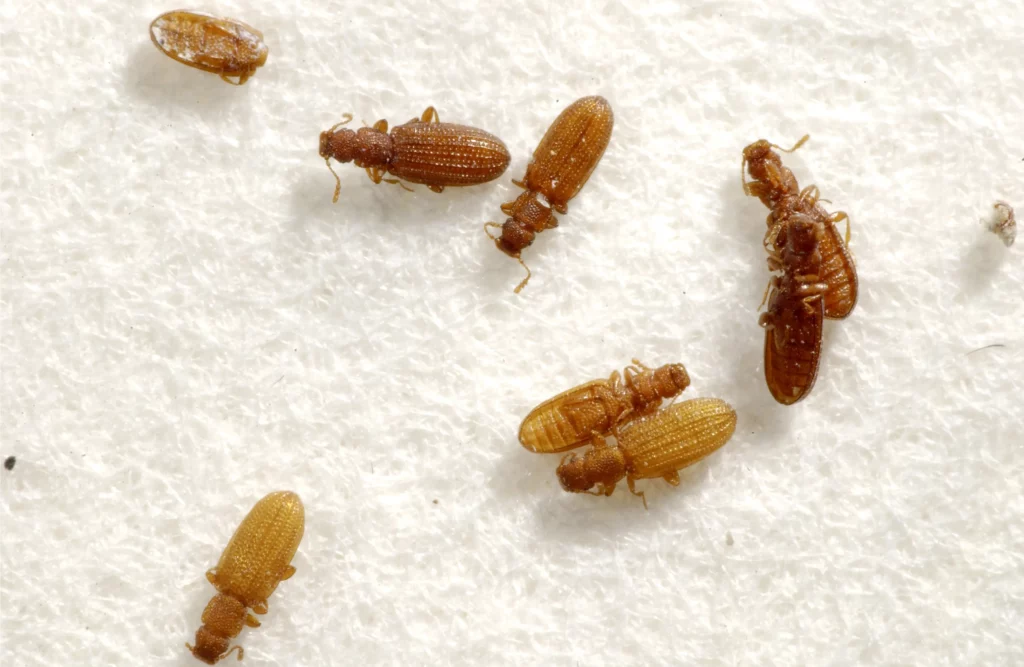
1004 223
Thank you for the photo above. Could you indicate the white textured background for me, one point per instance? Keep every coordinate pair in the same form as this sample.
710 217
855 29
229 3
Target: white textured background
188 324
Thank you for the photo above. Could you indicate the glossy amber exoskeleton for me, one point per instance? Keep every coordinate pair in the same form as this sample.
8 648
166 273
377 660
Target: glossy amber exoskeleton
223 46
793 321
256 560
776 187
572 418
561 166
658 445
424 151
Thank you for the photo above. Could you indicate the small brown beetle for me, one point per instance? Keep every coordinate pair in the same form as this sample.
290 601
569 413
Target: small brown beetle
776 187
600 407
561 166
255 561
222 46
657 446
424 151
793 321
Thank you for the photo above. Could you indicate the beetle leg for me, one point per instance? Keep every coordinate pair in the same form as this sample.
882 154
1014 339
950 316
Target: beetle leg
754 189
436 188
810 195
623 418
808 300
251 621
381 126
772 234
430 116
231 650
602 490
521 184
242 78
767 289
288 572
632 489
211 576
672 477
395 181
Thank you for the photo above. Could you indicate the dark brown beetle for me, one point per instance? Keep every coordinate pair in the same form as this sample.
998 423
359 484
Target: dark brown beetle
796 311
776 187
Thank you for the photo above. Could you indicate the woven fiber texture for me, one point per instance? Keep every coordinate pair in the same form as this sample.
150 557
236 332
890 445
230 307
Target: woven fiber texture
188 324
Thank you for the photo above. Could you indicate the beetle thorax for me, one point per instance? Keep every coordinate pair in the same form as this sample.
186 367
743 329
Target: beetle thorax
367 147
603 466
527 217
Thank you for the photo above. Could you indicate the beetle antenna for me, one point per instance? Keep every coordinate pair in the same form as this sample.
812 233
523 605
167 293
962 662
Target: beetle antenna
487 226
337 186
521 285
803 140
346 116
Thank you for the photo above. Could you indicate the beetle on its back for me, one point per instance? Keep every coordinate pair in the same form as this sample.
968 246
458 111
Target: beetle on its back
598 407
222 46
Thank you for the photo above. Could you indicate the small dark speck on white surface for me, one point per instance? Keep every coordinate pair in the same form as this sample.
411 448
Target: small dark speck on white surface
728 538
11 460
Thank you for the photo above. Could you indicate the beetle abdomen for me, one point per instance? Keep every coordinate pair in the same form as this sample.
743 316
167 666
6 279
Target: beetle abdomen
445 154
260 551
570 419
677 437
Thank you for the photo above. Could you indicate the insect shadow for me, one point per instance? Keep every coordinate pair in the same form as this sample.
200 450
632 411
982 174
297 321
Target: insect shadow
160 81
737 331
981 262
384 204
523 474
595 520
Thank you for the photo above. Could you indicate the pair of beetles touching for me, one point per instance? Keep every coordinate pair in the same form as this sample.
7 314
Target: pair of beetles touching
814 278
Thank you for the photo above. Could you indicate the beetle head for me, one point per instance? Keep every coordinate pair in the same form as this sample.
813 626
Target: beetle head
673 378
209 647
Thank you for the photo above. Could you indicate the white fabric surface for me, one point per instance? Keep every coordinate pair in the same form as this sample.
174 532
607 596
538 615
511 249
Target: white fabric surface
188 324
